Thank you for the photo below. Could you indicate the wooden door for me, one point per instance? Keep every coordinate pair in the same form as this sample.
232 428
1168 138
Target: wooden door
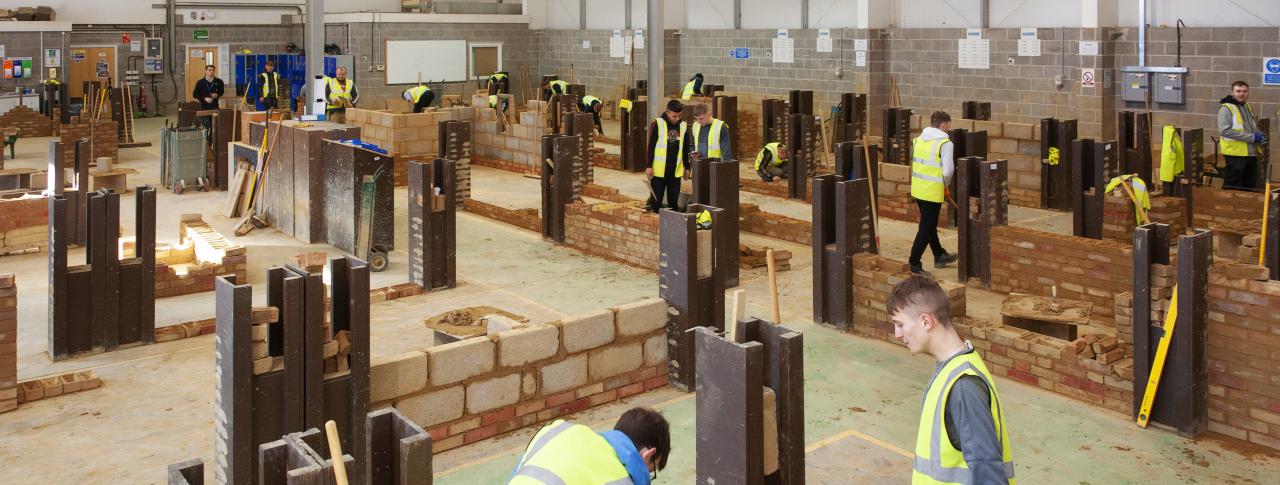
484 60
87 63
199 56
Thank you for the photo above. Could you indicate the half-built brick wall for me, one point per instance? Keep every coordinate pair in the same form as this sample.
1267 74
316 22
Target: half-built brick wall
1031 261
1119 221
480 387
1212 206
413 136
102 139
24 223
1243 350
31 122
617 231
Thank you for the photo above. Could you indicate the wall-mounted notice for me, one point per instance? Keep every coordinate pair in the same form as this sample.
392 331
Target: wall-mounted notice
1088 47
859 44
860 58
1087 79
639 39
784 50
586 44
616 46
1028 43
973 33
824 40
1271 71
53 58
974 54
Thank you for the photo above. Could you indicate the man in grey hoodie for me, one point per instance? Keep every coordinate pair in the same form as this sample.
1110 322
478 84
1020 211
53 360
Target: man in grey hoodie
1239 139
932 163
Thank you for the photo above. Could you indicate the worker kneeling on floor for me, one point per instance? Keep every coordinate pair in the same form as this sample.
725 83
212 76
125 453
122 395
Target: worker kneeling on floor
962 436
771 162
573 454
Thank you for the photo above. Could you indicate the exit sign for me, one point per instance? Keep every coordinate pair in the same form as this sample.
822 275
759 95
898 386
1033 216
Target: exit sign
201 34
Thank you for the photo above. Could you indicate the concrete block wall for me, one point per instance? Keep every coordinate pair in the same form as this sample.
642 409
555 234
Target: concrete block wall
1053 364
561 54
8 343
1243 351
477 388
24 224
1031 261
519 148
410 136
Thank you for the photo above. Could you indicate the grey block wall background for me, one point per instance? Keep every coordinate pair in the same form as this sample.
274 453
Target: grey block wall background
922 62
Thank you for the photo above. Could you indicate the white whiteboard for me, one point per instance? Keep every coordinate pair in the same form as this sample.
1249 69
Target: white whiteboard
411 61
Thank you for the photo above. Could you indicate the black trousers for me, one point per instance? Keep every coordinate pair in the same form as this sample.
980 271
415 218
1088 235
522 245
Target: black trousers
1240 173
270 102
926 233
664 187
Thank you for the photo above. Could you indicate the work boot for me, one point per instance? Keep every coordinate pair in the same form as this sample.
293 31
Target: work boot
919 269
944 260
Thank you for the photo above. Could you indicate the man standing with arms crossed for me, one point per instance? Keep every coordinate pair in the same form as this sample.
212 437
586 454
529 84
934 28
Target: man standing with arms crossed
962 436
932 164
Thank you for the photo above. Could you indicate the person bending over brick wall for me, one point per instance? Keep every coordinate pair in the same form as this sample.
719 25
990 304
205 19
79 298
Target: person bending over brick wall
573 454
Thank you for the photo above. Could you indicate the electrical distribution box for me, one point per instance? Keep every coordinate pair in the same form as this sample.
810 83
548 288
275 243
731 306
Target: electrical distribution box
1168 88
153 55
1135 86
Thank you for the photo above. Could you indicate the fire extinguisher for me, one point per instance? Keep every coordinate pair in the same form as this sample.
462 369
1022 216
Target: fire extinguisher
142 100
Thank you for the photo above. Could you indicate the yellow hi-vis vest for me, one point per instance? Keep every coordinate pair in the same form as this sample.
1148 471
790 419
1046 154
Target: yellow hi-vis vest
772 149
270 80
713 138
497 77
660 150
624 104
936 461
927 183
1140 194
588 99
1171 163
339 90
1231 147
416 93
688 91
493 101
571 454
562 85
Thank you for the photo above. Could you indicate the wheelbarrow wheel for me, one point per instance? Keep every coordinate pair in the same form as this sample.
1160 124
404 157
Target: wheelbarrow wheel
378 259
178 187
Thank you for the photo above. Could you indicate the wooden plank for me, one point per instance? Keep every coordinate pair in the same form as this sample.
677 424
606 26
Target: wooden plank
236 193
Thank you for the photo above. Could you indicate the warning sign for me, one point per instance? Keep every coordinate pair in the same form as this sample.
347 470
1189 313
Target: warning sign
1271 71
1086 78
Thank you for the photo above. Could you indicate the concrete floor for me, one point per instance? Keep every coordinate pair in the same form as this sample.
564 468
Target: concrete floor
156 403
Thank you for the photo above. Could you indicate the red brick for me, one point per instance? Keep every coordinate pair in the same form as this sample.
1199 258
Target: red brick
500 415
478 434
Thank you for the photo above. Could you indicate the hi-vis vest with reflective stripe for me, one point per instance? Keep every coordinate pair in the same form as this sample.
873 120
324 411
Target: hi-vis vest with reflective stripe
562 85
588 99
713 138
688 91
772 148
569 454
416 93
660 151
497 77
493 101
1231 147
936 460
926 170
270 80
339 90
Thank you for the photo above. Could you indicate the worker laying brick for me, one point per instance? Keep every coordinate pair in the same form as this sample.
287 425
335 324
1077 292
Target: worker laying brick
693 87
932 163
556 87
960 400
573 454
710 135
771 162
668 137
499 83
421 96
593 105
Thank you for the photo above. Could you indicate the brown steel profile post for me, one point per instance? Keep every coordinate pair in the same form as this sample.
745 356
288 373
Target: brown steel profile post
145 254
635 154
801 102
558 160
1184 384
80 217
59 238
1091 164
773 118
234 423
346 397
715 184
842 227
1264 154
804 150
985 182
725 108
398 451
190 472
1055 179
1271 253
851 162
896 139
455 144
582 126
1150 246
432 224
691 285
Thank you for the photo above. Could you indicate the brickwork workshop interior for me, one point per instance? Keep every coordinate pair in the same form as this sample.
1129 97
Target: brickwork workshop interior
427 245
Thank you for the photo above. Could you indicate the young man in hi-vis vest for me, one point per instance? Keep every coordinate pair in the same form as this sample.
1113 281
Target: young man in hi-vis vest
963 436
1239 139
932 163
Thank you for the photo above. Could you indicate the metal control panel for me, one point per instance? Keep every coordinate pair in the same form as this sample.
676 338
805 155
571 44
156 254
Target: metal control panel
1168 88
1134 86
153 55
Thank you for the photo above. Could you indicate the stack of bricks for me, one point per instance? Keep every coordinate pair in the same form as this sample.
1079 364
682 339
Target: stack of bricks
24 224
519 148
621 232
1050 363
407 135
1030 261
200 257
894 195
8 343
336 351
748 133
101 135
753 220
484 386
31 122
1119 221
1243 352
1211 207
260 326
